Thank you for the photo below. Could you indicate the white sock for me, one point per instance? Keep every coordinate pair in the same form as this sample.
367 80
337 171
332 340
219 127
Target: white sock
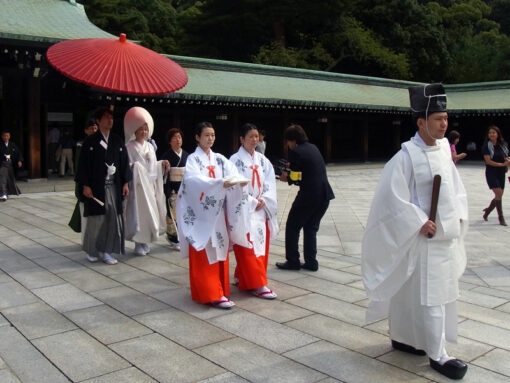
262 289
444 357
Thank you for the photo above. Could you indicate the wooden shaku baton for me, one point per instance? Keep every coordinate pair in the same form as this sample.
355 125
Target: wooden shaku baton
436 185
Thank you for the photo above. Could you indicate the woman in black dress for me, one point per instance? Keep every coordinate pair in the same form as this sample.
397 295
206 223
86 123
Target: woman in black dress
495 154
177 158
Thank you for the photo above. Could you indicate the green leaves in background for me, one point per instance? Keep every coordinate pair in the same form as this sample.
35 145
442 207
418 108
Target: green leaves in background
444 40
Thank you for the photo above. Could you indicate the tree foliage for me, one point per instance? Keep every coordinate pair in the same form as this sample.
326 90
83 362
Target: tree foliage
152 22
421 40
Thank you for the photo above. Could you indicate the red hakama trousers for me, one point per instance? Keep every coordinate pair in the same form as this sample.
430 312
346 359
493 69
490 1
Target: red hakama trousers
251 271
208 282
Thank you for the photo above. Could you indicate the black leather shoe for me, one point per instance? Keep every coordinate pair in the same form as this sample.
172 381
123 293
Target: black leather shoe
309 268
406 348
453 369
287 266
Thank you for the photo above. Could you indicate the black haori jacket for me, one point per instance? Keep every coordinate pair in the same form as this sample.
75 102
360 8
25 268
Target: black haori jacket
11 150
92 169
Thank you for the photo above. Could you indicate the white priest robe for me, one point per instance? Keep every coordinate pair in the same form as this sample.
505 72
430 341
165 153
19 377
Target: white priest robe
145 209
204 206
406 274
259 170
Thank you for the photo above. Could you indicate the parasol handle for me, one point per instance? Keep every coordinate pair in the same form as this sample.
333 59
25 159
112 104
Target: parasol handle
436 185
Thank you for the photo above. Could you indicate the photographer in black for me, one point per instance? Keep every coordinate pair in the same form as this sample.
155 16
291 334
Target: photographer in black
308 171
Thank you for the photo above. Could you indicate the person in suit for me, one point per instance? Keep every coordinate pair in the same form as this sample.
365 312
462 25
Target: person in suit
308 171
104 173
10 160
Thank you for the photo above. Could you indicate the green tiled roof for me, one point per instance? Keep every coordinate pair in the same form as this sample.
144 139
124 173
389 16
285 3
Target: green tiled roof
215 80
489 97
46 21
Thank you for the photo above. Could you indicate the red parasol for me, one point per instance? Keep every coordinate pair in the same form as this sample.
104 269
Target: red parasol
118 66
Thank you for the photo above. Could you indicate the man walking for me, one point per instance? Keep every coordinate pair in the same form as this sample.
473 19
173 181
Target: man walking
10 159
411 264
104 173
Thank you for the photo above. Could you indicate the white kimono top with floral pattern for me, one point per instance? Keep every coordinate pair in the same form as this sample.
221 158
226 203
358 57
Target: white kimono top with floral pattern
204 206
259 170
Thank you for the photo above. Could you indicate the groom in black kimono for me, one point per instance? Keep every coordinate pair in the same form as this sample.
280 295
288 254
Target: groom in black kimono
104 173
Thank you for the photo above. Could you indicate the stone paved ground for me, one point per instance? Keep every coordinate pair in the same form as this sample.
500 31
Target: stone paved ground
64 319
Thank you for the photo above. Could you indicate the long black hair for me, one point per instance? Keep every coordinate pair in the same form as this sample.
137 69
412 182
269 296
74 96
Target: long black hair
501 140
245 128
201 126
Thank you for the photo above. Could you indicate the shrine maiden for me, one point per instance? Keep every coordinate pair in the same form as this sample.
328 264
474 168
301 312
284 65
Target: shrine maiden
207 202
251 268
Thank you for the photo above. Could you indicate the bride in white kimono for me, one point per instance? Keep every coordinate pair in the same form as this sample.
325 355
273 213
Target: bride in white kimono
145 209
208 201
251 268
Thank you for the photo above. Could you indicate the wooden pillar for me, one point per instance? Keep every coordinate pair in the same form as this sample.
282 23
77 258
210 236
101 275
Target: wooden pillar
285 124
44 142
14 110
396 135
328 144
34 127
364 139
235 131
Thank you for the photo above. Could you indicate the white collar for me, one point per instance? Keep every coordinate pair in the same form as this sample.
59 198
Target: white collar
418 141
244 153
203 154
104 137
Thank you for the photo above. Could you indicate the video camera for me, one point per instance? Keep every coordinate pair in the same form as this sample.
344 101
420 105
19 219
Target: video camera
281 165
